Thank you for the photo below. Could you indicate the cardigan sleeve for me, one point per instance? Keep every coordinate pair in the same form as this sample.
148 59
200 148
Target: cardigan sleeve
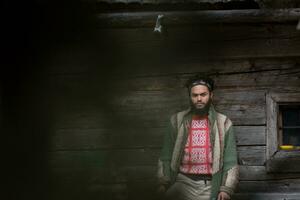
230 176
164 169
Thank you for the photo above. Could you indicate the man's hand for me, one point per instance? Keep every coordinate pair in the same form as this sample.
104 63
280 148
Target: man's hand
223 196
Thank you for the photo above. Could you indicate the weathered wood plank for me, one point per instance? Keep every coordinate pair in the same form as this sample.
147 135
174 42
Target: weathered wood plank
219 42
115 174
267 196
134 157
146 190
234 97
131 190
284 161
107 175
103 158
199 35
170 3
252 155
78 118
285 97
146 19
250 135
237 105
81 119
258 189
135 137
282 186
241 74
259 173
91 139
159 99
244 114
139 51
257 80
144 107
163 67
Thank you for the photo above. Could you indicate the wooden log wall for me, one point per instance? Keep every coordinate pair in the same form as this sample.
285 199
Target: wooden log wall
103 103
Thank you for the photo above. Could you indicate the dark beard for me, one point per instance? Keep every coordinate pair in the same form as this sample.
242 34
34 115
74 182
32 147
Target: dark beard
200 111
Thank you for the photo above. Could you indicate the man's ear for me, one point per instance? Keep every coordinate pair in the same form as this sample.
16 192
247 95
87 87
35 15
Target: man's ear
211 94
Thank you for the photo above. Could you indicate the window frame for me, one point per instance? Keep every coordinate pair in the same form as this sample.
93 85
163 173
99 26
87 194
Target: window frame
278 160
281 126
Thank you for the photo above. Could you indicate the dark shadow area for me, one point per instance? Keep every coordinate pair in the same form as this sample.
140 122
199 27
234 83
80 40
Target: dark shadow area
104 6
32 32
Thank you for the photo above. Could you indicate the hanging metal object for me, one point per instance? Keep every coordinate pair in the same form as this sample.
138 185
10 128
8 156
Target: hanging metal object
158 26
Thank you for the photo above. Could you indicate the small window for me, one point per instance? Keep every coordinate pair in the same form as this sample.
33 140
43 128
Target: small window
289 126
283 132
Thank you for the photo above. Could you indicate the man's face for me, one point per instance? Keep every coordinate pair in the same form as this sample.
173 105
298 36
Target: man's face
200 97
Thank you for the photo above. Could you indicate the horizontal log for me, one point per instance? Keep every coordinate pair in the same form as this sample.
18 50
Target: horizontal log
284 161
147 189
268 80
260 173
107 175
146 19
140 109
134 157
141 100
171 67
252 155
250 135
282 186
127 119
137 47
244 114
82 119
238 75
240 97
174 2
113 191
103 158
135 137
264 196
197 34
91 139
241 108
124 174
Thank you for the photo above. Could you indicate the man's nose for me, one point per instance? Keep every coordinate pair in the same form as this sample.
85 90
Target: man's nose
199 98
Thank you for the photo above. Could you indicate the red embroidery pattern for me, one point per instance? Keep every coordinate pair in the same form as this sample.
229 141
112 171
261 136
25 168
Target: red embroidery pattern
197 157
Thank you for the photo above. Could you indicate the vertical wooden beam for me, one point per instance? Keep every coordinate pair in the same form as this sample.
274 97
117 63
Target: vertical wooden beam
272 108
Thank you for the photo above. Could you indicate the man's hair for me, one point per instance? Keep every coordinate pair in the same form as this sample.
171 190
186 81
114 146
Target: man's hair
200 80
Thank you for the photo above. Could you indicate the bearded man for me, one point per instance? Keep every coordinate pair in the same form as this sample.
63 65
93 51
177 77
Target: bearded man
199 159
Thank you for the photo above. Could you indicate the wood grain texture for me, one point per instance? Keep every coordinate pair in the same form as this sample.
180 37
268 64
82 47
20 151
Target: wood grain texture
260 173
135 45
135 137
114 174
250 135
252 155
267 196
282 186
143 19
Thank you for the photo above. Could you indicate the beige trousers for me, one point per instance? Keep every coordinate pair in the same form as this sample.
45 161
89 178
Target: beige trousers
185 188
